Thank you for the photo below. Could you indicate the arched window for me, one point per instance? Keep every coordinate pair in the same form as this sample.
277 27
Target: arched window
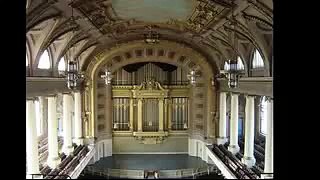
44 62
240 63
62 65
263 116
27 61
226 65
257 61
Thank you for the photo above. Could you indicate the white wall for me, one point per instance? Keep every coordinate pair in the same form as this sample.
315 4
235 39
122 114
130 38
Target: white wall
197 148
103 149
170 145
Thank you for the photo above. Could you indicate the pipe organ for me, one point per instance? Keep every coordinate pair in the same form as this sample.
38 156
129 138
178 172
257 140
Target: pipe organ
179 119
121 115
170 75
152 109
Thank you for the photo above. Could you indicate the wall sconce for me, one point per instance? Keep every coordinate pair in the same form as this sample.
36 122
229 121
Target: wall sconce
185 126
107 77
192 76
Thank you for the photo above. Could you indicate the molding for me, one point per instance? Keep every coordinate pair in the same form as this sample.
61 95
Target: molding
46 79
260 86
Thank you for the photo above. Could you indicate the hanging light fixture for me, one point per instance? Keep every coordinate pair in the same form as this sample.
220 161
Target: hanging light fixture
151 36
234 71
72 73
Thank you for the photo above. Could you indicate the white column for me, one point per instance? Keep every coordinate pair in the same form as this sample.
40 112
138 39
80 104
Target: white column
53 157
233 146
222 118
43 115
108 113
268 162
78 139
32 139
67 132
248 157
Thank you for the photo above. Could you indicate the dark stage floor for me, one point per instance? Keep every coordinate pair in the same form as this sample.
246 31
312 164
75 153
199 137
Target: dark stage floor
150 162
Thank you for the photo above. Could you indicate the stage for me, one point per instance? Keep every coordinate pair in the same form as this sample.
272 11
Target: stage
151 162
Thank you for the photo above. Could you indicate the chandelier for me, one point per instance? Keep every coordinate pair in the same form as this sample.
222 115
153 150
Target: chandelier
151 36
72 75
233 72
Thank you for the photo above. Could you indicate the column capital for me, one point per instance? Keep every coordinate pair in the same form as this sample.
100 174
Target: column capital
234 94
269 99
67 93
76 91
31 98
51 95
250 96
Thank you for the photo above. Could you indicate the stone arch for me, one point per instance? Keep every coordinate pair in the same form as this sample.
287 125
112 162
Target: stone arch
167 52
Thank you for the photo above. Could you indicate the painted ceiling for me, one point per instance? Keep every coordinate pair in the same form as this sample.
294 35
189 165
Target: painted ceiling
154 10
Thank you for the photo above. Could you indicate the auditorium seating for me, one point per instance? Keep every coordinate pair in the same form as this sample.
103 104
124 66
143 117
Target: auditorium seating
43 148
240 170
234 161
67 165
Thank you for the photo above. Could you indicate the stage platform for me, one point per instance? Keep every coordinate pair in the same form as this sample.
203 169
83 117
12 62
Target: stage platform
151 162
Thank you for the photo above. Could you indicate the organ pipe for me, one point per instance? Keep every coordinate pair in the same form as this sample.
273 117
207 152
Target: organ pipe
150 70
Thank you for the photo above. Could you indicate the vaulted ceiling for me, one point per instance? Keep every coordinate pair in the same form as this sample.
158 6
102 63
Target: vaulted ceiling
99 25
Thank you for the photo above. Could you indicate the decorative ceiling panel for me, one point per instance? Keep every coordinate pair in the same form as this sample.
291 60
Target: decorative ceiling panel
155 11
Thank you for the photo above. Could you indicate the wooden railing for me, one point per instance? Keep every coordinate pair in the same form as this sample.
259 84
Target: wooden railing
139 174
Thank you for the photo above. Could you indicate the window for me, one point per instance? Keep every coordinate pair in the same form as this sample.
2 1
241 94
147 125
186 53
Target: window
62 65
257 61
240 63
263 117
27 62
240 127
38 118
44 62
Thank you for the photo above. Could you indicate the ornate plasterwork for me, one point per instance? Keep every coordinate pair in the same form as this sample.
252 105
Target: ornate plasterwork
150 89
100 22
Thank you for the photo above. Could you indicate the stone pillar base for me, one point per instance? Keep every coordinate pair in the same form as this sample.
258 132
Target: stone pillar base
249 161
29 176
78 141
222 140
89 140
266 176
67 149
53 162
234 149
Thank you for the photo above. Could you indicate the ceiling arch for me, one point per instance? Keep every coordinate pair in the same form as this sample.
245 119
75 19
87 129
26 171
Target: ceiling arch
137 51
